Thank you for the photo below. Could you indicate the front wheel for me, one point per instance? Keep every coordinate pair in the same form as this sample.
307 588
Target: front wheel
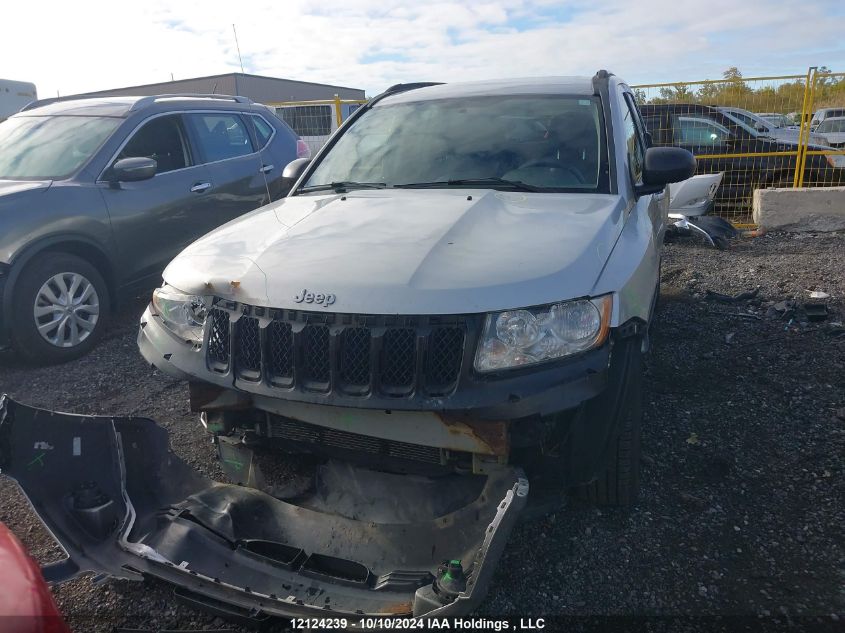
61 303
618 483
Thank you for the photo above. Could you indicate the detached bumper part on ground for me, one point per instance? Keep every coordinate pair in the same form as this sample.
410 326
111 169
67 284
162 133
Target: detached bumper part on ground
361 542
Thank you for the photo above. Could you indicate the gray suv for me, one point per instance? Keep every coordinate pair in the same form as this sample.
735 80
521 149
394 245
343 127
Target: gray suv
98 194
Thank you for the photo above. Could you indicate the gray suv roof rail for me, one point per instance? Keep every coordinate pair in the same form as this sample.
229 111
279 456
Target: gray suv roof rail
149 100
140 103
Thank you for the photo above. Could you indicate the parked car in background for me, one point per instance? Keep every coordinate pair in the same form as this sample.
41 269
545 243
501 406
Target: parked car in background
722 143
825 113
14 95
832 130
777 119
765 127
795 117
314 123
98 194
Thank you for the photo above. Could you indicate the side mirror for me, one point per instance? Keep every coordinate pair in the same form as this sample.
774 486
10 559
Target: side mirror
292 171
133 169
663 165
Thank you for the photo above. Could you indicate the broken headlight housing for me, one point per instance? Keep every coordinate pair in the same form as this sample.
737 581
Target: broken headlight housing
181 313
516 338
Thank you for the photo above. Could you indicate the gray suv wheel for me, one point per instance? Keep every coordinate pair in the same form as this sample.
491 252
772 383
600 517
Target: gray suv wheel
60 306
66 310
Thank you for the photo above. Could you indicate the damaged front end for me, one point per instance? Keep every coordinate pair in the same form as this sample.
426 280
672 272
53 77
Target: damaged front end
354 542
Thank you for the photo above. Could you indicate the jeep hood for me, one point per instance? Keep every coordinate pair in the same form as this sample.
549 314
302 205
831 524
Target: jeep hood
411 251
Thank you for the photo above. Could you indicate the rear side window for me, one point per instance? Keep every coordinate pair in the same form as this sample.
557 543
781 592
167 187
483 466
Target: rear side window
220 136
161 139
263 130
312 120
699 131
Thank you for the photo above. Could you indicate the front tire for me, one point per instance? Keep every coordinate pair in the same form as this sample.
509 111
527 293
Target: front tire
618 484
61 304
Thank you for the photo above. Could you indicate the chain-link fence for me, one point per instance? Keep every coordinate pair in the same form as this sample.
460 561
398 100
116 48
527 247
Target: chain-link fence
823 162
779 131
759 132
315 121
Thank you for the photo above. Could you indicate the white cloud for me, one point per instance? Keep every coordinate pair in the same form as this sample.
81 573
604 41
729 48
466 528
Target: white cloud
76 47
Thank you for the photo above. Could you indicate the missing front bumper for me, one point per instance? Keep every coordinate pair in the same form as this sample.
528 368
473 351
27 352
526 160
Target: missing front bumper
359 542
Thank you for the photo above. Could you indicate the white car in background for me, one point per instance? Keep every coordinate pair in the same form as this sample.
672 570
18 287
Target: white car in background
778 120
832 130
820 115
764 127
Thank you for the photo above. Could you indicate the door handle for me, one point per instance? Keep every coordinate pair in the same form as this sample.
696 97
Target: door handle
200 187
265 168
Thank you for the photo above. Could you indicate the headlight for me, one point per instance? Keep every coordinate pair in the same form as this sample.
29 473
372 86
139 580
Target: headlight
183 314
516 338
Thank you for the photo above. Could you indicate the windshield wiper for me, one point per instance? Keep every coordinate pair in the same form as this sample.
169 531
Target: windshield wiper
343 186
514 185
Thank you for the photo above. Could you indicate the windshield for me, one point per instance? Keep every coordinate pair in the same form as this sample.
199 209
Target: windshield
50 148
740 121
832 125
778 120
541 142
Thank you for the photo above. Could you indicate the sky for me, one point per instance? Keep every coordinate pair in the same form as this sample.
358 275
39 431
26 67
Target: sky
71 47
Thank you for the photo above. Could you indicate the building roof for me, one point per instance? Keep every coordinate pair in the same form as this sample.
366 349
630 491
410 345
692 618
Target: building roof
220 76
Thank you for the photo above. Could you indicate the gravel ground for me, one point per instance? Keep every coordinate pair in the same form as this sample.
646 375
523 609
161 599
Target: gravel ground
742 507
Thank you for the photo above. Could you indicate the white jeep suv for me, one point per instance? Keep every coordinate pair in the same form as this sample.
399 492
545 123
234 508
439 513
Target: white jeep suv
453 299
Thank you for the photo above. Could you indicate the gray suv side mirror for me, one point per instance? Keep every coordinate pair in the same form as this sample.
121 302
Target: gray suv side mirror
133 169
663 165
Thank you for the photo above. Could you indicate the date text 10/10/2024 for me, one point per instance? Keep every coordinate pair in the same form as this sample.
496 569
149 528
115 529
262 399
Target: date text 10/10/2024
432 624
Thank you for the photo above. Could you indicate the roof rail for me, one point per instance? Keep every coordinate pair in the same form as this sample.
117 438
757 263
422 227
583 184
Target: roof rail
396 88
601 80
140 103
42 102
145 101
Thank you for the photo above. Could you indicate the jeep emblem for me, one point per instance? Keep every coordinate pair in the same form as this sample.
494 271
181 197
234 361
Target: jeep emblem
319 298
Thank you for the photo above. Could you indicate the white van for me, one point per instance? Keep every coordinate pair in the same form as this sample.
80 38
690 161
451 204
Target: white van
14 95
314 123
825 113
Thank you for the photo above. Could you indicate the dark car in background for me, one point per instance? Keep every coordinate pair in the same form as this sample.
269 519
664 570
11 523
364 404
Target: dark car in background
98 194
749 160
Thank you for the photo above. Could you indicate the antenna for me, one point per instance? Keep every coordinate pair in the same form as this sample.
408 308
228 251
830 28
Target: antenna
238 46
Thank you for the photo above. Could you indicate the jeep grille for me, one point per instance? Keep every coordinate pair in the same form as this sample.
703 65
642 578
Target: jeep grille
354 355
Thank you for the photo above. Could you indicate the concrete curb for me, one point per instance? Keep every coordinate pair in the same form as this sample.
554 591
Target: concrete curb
817 209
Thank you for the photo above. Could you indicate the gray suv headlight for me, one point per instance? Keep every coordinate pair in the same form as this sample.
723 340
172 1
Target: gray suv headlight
181 313
516 338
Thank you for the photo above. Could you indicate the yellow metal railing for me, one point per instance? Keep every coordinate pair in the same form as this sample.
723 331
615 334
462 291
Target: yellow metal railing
753 165
315 120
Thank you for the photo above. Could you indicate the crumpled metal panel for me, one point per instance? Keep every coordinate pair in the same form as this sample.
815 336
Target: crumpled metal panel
359 542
